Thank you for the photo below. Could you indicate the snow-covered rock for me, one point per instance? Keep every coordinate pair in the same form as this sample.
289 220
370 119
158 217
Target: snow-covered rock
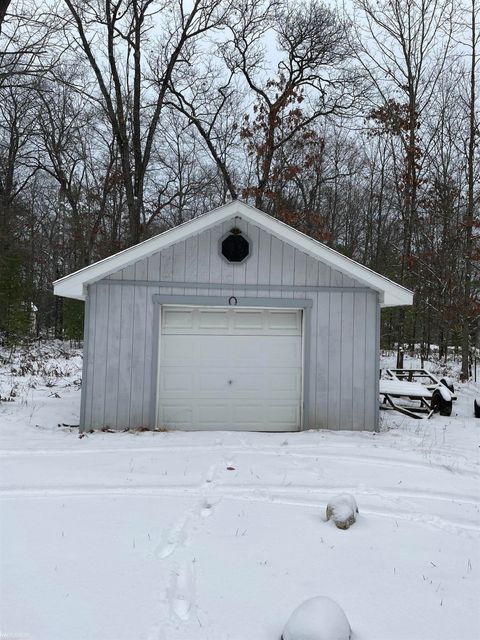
319 618
342 509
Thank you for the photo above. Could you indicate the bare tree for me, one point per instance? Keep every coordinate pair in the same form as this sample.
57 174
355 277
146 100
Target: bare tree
405 47
185 180
29 45
210 101
313 80
469 221
236 94
134 70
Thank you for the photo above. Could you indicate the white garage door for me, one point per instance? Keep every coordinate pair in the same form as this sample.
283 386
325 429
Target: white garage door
229 368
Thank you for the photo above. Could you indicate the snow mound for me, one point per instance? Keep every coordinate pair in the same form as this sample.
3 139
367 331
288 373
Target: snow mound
342 509
319 618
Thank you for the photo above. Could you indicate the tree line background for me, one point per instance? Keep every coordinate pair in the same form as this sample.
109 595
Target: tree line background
359 126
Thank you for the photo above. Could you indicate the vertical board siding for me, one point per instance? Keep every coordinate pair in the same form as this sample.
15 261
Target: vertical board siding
215 268
276 260
324 278
179 261
203 256
226 268
89 353
112 368
312 274
358 359
342 340
335 337
300 271
264 256
153 267
100 365
125 351
251 265
288 269
137 368
346 360
191 259
321 361
166 264
371 364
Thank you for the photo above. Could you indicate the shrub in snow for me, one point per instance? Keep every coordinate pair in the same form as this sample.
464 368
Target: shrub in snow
342 509
319 618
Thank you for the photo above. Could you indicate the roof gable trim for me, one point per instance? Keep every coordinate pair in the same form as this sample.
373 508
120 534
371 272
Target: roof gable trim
75 285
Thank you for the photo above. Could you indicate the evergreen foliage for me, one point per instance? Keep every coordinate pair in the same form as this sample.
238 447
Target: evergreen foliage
73 313
15 305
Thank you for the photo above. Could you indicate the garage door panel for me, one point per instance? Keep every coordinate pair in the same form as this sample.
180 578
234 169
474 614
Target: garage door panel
213 319
290 320
230 416
248 413
217 351
248 383
230 369
248 351
283 414
248 319
228 321
178 352
281 350
263 381
243 351
177 381
178 318
213 381
176 415
231 382
285 382
213 415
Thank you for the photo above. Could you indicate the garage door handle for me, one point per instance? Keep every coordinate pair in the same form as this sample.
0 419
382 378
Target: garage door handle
230 381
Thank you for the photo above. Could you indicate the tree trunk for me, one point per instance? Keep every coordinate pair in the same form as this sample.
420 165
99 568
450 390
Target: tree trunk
3 10
470 208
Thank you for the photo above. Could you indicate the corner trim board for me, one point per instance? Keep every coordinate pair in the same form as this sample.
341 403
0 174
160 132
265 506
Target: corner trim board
376 426
86 330
155 362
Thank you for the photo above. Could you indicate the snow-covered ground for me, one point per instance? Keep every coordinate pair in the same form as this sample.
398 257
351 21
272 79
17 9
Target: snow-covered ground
196 536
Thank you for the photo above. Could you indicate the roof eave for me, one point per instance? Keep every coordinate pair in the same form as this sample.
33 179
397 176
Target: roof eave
70 290
404 300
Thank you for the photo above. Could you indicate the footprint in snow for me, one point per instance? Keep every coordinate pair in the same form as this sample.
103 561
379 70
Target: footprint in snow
182 590
206 509
211 473
175 537
230 464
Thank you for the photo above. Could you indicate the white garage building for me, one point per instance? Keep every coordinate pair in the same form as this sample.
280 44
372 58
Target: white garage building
233 320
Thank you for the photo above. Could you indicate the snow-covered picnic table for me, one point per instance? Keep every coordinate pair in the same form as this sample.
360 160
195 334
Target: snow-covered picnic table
401 388
438 398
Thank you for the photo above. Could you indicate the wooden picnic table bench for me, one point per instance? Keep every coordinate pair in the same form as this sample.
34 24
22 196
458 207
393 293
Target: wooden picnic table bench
431 397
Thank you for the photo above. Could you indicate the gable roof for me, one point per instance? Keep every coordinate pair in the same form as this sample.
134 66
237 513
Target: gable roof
75 285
